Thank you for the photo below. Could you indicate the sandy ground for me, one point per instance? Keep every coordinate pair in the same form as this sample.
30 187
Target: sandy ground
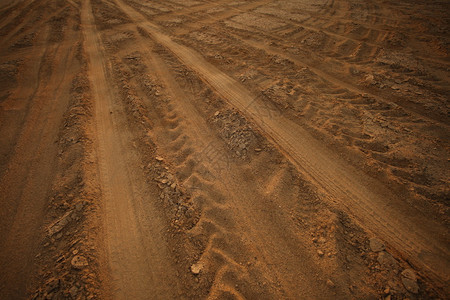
263 149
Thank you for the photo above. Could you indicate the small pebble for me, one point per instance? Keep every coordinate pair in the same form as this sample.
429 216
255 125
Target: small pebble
409 280
79 262
330 283
196 268
376 245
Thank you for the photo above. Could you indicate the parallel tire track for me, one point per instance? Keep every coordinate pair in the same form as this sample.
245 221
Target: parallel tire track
139 262
22 189
363 197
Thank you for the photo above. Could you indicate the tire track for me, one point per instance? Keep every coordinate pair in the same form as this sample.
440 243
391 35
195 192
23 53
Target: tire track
28 26
310 100
182 134
326 71
315 67
28 88
349 118
194 25
193 175
17 16
336 27
366 199
188 10
22 188
139 260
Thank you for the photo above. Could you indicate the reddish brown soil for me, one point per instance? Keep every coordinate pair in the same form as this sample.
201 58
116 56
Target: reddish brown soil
263 149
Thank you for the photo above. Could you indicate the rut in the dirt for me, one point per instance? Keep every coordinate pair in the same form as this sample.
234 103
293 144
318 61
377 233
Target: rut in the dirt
224 149
339 180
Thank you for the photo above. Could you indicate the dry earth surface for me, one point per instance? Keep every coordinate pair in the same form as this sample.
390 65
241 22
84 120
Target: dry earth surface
196 149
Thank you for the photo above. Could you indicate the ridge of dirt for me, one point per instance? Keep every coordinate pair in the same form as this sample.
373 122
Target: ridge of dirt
72 235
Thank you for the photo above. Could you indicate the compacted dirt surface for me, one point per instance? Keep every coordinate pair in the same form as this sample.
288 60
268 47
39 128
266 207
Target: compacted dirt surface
194 149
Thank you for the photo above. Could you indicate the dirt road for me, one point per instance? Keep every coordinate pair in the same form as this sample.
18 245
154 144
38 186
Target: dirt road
259 149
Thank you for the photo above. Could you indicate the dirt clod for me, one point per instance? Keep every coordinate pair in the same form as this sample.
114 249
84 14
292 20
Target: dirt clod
196 268
409 280
79 262
376 245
